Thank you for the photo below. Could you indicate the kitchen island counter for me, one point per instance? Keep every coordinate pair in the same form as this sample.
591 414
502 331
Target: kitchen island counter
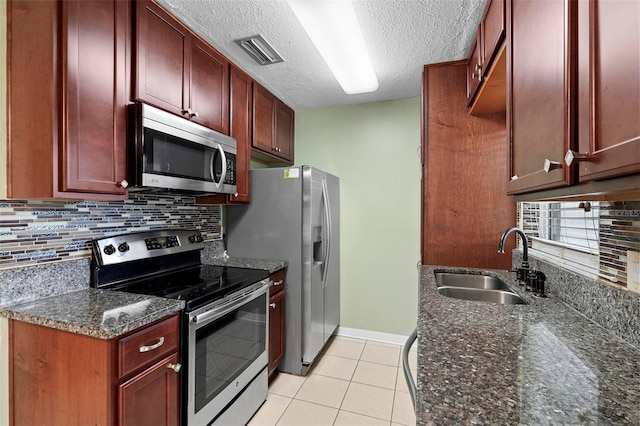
538 363
103 314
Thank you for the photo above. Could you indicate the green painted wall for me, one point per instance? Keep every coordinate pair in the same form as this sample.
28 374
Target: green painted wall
373 149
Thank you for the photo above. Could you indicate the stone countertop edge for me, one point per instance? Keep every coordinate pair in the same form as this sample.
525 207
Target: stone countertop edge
537 363
103 314
239 262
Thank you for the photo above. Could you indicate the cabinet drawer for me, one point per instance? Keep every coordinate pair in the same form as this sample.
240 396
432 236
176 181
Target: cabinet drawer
278 282
147 346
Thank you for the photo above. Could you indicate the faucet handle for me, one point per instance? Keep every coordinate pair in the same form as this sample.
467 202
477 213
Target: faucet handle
540 278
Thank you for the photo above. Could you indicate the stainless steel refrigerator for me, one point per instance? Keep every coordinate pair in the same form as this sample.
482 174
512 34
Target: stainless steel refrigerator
294 216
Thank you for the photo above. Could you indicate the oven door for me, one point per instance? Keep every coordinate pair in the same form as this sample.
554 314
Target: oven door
227 349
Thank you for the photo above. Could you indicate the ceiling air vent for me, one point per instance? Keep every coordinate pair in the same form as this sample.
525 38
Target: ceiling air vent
260 50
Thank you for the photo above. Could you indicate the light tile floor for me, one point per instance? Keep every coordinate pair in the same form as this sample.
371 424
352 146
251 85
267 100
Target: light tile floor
355 382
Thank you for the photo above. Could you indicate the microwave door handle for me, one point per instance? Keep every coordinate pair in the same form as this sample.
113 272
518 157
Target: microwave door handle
224 167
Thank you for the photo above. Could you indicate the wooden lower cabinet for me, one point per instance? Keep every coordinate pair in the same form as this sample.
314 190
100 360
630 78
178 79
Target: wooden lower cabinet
60 378
157 383
276 322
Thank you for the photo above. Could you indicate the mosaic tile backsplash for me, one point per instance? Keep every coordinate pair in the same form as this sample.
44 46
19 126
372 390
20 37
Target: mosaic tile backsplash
619 233
33 232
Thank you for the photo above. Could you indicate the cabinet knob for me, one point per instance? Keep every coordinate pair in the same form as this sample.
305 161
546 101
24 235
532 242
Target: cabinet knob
122 184
571 156
551 165
175 367
273 305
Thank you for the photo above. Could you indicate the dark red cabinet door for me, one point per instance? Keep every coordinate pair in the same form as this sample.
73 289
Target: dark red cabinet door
96 48
162 59
209 87
609 91
540 93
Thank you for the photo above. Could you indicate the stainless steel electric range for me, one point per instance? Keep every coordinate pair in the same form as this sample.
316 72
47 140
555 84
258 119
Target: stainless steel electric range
224 325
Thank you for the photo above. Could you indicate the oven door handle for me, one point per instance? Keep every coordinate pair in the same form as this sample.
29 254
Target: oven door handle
232 304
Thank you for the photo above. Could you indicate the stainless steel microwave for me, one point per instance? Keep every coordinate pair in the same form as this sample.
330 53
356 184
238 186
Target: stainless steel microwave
168 153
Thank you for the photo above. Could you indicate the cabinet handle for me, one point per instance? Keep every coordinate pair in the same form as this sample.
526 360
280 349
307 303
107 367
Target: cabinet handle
551 165
195 114
475 76
273 305
175 367
279 282
186 111
571 156
152 347
478 67
123 183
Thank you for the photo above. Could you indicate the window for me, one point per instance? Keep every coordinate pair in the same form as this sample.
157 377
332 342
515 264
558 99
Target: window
563 233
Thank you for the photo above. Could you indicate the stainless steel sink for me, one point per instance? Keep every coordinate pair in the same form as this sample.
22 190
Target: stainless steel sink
452 279
482 295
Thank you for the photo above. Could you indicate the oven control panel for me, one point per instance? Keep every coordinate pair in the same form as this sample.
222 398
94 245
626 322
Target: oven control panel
144 245
161 242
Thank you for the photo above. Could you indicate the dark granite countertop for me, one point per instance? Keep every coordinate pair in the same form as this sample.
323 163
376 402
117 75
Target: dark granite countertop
104 314
542 363
239 262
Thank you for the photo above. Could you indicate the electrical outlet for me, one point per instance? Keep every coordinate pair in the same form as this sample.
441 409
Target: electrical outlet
633 271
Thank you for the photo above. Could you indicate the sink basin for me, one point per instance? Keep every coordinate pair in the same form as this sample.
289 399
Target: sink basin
482 295
452 279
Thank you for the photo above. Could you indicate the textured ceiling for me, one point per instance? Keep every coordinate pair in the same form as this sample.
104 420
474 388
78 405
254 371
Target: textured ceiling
401 35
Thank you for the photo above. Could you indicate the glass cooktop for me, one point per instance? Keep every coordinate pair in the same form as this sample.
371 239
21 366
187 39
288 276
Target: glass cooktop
197 285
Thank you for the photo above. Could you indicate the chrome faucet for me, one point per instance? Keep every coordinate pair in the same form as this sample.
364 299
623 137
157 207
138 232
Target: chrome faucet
534 279
525 245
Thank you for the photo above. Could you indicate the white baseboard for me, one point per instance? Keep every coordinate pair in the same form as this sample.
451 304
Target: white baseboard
397 339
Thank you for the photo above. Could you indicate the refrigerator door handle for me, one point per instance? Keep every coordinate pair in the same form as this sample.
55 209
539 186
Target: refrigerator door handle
327 227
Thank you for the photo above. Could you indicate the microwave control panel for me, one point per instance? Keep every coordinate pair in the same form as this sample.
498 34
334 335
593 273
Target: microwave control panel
230 177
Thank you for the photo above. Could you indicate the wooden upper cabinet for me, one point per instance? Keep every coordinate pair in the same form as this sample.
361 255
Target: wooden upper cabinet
241 120
68 89
486 70
209 89
493 31
474 67
540 93
178 72
96 76
263 107
162 59
273 124
284 123
609 91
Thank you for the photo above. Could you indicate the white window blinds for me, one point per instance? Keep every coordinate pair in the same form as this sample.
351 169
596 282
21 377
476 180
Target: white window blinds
564 233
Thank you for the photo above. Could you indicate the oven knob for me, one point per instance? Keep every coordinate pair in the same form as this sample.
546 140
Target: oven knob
123 247
109 250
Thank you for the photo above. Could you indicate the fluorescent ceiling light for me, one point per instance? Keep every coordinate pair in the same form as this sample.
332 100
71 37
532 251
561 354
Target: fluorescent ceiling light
333 28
